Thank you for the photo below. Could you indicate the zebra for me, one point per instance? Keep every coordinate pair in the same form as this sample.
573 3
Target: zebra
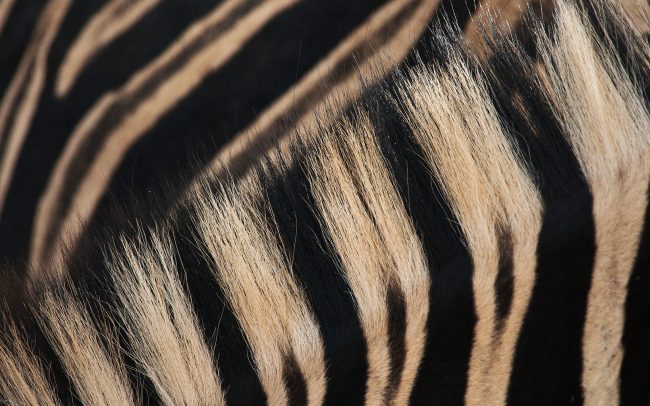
469 232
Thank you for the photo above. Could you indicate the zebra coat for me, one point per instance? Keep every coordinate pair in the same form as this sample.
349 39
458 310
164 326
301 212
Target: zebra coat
467 232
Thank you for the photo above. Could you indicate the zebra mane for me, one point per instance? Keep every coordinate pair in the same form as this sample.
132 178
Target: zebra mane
333 271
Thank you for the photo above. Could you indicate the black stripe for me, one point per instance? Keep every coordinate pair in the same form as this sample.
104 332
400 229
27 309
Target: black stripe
635 370
442 377
235 364
396 304
314 265
503 284
548 361
294 381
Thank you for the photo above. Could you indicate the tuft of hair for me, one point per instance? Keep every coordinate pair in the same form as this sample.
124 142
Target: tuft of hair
23 380
164 336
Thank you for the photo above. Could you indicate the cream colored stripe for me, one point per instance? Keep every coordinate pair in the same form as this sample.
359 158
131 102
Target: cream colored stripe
174 88
31 76
608 127
164 334
376 246
400 243
113 19
258 283
98 374
335 94
365 264
5 10
22 378
458 128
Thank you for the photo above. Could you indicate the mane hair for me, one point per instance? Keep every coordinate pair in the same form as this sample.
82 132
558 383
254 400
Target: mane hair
467 232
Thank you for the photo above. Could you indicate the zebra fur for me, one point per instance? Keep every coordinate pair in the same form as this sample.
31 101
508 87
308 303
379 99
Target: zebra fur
467 233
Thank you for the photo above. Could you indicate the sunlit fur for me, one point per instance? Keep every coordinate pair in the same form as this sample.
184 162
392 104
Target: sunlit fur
95 370
165 339
339 273
494 200
607 119
23 380
378 247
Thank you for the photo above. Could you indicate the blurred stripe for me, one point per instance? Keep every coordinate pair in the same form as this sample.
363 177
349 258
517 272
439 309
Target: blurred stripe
21 99
112 20
5 10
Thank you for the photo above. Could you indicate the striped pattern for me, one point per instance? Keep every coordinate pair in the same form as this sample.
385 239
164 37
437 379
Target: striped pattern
496 205
612 122
362 212
104 95
472 230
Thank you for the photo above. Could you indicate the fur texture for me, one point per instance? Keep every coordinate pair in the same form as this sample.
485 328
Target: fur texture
468 232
